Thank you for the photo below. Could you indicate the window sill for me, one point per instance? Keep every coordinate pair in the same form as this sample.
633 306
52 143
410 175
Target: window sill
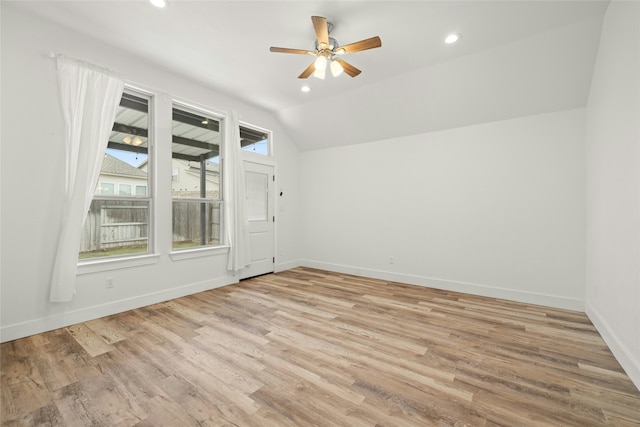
96 266
198 253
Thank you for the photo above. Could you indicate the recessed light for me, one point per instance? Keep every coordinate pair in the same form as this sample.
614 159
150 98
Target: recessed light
305 88
158 3
452 38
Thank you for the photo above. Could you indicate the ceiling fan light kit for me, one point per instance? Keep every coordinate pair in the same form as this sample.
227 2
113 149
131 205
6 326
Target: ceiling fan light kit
327 51
336 68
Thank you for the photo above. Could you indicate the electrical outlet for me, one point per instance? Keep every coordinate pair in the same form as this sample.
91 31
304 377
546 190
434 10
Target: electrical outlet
108 282
392 260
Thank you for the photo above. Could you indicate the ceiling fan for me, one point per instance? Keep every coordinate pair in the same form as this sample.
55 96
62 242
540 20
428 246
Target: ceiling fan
327 51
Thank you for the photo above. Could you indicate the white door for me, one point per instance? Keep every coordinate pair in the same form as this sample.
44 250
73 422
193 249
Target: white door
259 182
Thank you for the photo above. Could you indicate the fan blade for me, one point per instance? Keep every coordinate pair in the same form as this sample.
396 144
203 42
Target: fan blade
287 50
306 73
348 68
370 43
321 28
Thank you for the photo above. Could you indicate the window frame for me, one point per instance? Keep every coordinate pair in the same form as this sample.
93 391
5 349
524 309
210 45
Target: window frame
252 127
206 249
93 264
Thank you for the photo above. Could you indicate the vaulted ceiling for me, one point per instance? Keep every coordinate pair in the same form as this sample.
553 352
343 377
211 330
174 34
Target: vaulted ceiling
515 58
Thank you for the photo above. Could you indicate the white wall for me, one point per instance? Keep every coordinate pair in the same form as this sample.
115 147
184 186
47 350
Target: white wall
31 212
494 209
613 187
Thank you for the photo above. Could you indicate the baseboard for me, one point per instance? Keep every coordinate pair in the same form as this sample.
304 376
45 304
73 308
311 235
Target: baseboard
450 285
287 265
32 327
623 355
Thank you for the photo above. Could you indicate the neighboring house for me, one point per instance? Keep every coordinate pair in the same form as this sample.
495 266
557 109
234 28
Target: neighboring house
185 179
120 178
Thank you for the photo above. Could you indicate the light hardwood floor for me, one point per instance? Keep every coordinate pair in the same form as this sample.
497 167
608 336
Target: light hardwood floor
310 348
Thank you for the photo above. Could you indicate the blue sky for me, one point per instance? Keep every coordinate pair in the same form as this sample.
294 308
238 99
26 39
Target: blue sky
134 159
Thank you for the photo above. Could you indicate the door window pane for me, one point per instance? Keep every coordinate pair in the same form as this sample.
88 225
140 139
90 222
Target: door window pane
257 203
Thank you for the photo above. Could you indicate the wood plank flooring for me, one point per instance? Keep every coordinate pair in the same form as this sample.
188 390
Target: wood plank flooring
310 348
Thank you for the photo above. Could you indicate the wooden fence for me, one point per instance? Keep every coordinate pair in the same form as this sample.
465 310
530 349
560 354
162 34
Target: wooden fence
121 223
188 221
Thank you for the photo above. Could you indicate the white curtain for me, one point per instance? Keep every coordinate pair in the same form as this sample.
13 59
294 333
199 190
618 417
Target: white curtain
89 98
236 218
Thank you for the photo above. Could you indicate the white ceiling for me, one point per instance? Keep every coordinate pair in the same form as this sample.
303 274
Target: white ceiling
515 58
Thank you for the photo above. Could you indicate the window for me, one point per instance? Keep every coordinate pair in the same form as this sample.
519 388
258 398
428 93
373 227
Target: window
106 188
254 140
118 224
197 200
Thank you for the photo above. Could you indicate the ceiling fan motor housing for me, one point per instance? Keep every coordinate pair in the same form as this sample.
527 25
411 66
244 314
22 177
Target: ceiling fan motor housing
333 45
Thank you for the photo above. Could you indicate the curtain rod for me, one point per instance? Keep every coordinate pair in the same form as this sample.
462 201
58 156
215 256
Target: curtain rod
86 64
